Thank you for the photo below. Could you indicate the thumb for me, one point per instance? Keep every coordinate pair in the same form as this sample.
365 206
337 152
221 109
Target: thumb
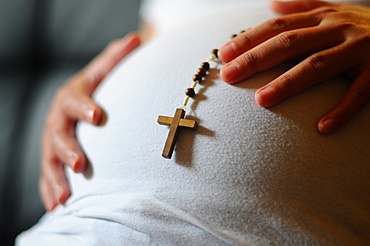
294 6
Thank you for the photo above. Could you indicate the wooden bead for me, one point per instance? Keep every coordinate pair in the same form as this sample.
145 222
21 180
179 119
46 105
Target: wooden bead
202 71
214 52
197 77
205 65
190 92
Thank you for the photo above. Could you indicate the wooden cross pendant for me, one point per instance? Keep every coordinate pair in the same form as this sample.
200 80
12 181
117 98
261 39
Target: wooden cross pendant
175 123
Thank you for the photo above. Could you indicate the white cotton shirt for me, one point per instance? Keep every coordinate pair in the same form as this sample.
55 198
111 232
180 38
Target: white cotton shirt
166 15
247 176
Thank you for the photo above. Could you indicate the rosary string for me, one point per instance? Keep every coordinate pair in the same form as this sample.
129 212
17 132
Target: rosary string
178 120
198 77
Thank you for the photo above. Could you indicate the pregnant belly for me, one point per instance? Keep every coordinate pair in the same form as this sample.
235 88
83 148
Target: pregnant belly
243 162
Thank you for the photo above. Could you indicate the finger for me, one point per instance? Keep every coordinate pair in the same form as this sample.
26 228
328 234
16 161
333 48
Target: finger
259 34
318 67
65 146
285 46
108 59
288 7
79 106
354 100
47 195
54 186
53 193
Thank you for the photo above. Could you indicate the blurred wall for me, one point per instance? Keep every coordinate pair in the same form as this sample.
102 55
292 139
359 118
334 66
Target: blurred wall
42 43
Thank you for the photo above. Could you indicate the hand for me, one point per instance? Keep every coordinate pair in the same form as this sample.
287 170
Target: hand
73 102
333 38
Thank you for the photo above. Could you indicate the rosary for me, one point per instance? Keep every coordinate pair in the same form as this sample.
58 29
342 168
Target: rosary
178 120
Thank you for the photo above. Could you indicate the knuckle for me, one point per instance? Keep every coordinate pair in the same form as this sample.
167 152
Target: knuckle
245 40
60 97
362 39
326 10
344 25
322 12
278 23
250 59
66 101
362 96
287 39
317 62
285 85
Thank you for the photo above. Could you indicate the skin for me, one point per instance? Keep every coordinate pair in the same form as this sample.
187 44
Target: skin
73 102
327 38
322 33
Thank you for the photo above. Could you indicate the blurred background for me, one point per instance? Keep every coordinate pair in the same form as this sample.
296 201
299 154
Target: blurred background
42 44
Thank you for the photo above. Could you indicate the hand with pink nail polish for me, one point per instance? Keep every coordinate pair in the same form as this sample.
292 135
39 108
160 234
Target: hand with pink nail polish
327 38
73 102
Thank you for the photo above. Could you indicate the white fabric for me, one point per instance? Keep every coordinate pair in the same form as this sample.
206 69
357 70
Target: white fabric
166 15
247 176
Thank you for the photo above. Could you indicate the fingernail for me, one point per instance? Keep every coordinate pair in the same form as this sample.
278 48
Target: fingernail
74 163
78 164
90 114
135 40
130 42
325 126
226 52
229 71
58 193
72 157
264 95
